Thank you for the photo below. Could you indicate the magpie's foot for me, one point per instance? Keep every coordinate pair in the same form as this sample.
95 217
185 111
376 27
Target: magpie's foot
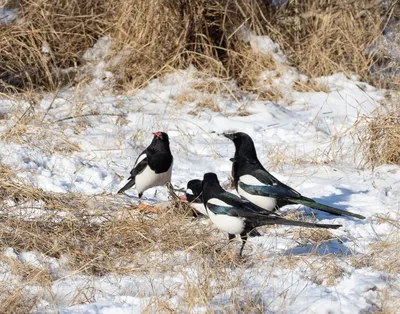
242 258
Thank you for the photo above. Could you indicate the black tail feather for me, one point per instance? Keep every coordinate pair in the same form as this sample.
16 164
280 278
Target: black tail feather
282 221
127 186
325 208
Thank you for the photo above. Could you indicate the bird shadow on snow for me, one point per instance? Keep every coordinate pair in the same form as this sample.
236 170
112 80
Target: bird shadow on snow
332 247
333 200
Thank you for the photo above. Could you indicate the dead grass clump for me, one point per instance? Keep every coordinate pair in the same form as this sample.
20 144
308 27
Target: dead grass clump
48 35
206 103
246 66
309 235
323 37
184 98
385 252
310 86
380 140
148 38
156 36
97 235
326 271
16 301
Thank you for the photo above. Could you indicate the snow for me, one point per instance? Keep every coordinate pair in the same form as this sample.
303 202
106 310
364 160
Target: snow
7 15
90 137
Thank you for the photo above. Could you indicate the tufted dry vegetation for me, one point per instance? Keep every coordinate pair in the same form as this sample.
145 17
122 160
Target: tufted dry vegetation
380 135
44 46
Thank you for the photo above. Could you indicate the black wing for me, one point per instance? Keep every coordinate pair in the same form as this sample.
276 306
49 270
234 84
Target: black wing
273 187
237 207
140 164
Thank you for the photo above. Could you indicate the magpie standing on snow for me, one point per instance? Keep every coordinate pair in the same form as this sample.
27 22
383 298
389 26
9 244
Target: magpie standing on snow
153 167
234 215
258 186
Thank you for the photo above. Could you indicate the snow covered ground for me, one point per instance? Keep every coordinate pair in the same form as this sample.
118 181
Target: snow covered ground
85 140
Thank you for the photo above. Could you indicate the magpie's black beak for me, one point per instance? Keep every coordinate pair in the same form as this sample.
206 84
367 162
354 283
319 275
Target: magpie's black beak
232 159
229 135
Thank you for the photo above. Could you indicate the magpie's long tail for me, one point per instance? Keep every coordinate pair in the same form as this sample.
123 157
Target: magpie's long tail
282 221
332 210
130 183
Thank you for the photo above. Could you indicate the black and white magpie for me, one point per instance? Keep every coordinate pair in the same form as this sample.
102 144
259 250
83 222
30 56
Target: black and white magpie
258 186
194 195
153 167
235 215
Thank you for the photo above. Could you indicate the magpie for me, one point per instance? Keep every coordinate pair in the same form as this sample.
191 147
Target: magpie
153 167
194 195
235 215
258 186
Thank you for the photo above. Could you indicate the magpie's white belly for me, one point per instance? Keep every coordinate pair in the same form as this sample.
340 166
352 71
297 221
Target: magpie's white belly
200 208
148 179
265 202
233 225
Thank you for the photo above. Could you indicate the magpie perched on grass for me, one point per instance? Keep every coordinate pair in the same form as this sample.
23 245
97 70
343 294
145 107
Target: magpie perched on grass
153 167
257 185
194 195
235 215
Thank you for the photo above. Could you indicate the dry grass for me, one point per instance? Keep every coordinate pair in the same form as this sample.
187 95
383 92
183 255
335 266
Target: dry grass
89 235
310 85
153 37
379 141
206 104
64 28
150 38
323 37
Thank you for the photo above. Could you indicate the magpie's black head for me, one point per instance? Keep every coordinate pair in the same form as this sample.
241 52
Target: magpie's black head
210 181
161 136
194 191
160 141
211 186
243 143
196 186
210 177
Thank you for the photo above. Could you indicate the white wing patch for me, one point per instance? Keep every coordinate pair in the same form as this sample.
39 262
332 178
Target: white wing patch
265 202
250 180
200 208
218 202
140 158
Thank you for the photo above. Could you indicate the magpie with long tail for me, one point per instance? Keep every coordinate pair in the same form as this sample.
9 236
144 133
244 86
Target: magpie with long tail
258 186
194 195
235 215
153 167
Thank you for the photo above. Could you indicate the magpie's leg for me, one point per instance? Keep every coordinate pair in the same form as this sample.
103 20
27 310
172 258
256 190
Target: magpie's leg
155 193
244 240
254 233
140 198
